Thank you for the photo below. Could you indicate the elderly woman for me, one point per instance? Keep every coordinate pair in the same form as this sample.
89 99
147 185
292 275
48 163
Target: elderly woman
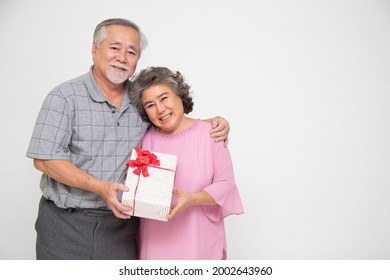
205 191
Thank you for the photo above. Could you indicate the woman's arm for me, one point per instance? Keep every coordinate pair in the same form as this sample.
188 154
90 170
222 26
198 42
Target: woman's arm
188 199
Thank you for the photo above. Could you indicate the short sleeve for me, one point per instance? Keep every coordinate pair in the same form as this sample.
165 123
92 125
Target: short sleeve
52 131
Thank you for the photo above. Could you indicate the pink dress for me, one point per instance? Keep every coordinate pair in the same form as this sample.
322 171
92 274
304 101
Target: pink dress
198 232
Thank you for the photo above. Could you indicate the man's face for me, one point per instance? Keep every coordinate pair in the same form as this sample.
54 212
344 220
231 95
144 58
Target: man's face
115 60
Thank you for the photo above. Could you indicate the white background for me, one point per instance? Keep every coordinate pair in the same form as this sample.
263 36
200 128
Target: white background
304 84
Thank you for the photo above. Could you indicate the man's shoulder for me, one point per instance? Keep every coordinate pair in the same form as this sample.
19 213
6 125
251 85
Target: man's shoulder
72 86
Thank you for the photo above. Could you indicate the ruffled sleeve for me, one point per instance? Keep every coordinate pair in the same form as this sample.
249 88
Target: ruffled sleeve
223 188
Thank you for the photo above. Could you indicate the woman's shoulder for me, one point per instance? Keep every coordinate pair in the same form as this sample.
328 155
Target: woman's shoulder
198 131
204 125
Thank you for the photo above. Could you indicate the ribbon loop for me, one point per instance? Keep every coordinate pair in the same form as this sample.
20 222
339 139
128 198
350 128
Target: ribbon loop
144 159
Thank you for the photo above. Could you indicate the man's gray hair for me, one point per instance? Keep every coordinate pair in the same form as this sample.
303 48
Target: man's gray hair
100 33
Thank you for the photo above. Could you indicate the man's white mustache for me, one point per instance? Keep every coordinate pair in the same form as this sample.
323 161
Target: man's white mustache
120 65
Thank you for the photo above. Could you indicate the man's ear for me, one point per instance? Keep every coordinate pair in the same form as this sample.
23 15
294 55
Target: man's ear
94 48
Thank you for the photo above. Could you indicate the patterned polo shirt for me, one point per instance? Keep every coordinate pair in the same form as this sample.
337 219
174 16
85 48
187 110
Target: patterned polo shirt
78 124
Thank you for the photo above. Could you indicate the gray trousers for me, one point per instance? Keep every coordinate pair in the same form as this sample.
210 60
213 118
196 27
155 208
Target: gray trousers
83 234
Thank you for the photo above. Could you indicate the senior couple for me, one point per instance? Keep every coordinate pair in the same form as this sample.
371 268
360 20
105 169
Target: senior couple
83 137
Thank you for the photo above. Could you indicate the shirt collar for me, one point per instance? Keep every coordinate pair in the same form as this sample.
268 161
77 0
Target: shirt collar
97 95
95 92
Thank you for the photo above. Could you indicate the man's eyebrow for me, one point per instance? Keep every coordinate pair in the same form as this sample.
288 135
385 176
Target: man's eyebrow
133 47
114 43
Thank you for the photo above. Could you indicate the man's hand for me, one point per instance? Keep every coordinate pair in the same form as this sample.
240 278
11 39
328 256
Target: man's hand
109 193
220 129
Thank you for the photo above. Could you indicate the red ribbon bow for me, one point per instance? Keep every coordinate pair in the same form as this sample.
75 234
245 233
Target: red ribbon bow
142 161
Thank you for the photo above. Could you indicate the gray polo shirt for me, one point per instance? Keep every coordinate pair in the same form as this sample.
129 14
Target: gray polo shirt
78 124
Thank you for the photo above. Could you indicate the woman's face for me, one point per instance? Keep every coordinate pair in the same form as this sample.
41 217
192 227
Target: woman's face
164 108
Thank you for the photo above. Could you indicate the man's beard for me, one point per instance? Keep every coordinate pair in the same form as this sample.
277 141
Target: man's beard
116 77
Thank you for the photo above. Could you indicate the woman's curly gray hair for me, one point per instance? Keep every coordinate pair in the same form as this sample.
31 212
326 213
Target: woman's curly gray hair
152 76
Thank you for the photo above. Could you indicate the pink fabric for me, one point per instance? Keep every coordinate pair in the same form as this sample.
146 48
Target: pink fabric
199 231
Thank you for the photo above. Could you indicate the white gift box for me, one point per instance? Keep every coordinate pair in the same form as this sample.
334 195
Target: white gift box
150 196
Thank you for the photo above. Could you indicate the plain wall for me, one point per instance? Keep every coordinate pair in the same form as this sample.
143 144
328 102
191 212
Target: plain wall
305 86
